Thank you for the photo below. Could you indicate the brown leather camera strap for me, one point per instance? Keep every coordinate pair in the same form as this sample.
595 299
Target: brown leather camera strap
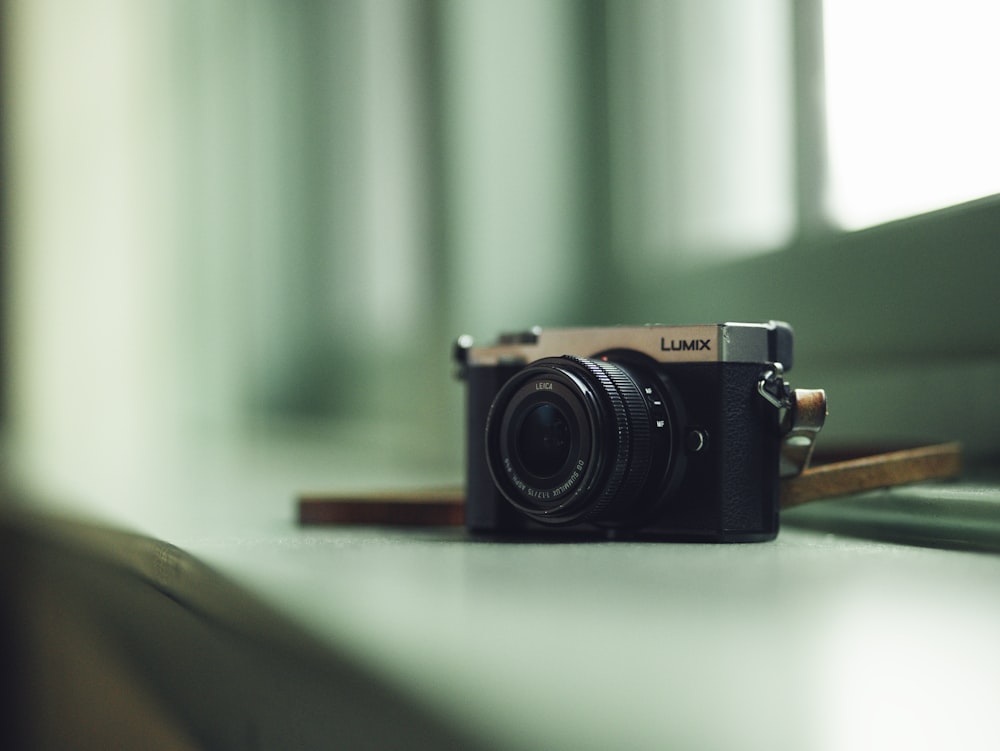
418 508
871 472
444 507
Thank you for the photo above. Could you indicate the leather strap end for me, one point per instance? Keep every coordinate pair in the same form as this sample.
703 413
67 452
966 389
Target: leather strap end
938 462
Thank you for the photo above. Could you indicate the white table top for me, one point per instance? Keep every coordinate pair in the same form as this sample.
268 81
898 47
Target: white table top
870 623
815 640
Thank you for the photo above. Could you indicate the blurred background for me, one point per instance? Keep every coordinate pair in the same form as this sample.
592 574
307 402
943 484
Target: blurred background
240 236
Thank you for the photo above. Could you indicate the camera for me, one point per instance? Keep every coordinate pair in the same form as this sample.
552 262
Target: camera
649 432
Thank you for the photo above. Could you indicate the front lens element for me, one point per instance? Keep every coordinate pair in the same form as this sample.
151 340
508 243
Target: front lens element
543 441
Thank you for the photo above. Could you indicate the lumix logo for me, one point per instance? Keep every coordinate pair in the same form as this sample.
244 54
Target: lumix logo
685 345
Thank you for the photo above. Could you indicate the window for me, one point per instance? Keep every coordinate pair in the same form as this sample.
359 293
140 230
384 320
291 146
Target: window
896 320
912 110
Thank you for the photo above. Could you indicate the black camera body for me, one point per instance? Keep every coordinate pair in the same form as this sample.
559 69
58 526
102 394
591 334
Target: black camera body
661 432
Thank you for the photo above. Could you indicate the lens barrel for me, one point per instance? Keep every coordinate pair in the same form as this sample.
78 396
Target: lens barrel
569 439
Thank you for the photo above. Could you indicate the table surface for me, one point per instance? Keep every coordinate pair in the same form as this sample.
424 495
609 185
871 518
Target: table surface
871 622
816 640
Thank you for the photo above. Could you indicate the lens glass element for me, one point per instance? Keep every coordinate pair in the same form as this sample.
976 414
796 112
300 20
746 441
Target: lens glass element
543 441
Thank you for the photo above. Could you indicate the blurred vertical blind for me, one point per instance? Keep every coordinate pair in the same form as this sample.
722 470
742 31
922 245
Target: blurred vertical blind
234 215
702 132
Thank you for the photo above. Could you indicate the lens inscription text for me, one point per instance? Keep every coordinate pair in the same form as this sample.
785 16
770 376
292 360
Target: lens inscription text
545 495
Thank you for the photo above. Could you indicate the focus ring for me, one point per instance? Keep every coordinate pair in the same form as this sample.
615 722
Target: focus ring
640 434
633 441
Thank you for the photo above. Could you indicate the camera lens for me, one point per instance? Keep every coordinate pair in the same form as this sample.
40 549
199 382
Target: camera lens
572 439
543 442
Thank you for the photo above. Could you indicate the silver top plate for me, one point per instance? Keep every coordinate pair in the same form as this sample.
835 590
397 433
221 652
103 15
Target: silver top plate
723 342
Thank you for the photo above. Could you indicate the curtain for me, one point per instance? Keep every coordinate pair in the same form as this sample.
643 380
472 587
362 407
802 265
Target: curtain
257 220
